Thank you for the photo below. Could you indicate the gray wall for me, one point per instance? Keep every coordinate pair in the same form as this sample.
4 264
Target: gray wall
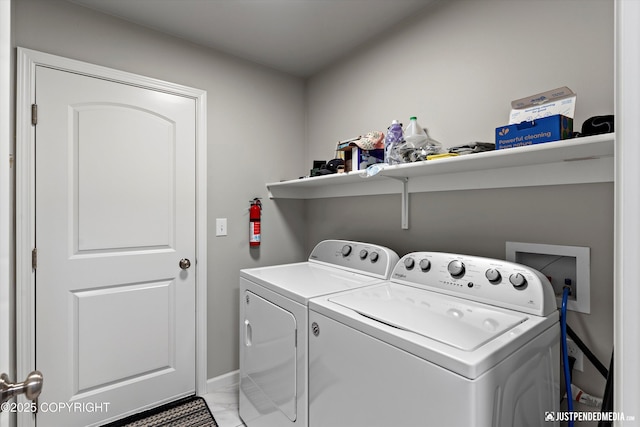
457 67
255 119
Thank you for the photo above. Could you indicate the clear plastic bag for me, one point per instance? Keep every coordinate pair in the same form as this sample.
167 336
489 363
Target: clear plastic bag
414 149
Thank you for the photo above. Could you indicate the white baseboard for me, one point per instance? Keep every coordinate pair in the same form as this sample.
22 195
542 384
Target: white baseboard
222 381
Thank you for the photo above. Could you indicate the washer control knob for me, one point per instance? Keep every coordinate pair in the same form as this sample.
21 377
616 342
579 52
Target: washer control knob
493 276
374 256
346 250
363 254
456 269
425 265
409 263
517 280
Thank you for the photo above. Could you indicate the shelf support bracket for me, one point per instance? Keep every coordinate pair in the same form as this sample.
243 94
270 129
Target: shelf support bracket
405 201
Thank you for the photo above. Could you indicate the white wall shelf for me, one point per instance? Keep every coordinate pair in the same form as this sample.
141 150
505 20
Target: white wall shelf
581 160
575 161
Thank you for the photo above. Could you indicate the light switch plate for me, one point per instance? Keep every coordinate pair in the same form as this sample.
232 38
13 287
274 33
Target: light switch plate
221 226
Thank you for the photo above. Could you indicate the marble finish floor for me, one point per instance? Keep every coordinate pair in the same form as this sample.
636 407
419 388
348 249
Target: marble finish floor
223 404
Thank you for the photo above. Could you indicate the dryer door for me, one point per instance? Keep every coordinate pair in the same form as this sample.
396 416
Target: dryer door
269 356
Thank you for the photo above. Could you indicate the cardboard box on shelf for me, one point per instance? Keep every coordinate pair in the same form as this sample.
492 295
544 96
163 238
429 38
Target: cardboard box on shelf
361 152
543 117
355 158
537 131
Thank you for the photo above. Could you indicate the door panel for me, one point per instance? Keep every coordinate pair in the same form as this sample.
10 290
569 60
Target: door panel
115 197
148 339
109 216
270 355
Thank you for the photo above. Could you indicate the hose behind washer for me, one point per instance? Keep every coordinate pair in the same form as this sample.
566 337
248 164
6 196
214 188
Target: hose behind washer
565 353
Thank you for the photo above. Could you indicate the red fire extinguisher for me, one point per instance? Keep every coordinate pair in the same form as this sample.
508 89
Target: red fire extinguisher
254 222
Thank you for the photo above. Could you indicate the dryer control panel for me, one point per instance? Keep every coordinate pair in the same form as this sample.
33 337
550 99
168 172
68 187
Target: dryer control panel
491 281
365 258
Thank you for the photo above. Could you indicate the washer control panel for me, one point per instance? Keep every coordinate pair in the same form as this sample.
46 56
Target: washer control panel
492 281
365 258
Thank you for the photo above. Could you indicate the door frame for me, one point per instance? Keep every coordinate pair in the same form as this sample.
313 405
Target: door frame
27 61
626 295
6 194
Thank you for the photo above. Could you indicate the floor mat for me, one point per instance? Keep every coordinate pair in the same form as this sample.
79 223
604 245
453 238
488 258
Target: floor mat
188 412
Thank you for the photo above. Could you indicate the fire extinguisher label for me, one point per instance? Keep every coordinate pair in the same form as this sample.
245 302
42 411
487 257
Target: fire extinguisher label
254 232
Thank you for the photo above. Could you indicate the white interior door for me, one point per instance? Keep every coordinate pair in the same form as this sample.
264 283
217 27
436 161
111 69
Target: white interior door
115 214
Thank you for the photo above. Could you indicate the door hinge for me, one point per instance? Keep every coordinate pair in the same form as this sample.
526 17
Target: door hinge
34 258
34 114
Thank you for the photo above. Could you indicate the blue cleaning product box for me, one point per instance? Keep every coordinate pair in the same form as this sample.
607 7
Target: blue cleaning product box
543 117
546 129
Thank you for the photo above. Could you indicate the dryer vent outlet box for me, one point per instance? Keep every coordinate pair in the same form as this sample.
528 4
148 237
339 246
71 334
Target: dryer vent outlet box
561 264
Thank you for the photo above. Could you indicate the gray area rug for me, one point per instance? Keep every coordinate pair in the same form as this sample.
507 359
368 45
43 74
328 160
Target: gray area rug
188 412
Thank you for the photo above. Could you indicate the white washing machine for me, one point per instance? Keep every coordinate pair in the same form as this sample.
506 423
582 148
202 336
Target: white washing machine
449 340
274 325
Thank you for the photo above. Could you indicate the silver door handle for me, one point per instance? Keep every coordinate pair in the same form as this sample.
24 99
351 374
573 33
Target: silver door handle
184 263
248 334
31 387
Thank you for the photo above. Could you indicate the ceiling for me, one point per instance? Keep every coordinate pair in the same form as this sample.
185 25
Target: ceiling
299 37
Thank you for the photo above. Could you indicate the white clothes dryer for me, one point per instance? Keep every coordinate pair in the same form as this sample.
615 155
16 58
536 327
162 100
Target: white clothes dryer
449 340
274 325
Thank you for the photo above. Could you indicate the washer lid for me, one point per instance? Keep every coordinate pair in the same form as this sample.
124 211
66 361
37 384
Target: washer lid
463 324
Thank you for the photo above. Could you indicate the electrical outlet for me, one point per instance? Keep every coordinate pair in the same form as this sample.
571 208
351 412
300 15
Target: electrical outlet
574 351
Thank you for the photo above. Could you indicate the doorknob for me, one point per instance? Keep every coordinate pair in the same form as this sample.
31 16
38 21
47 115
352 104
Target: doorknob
184 263
31 387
